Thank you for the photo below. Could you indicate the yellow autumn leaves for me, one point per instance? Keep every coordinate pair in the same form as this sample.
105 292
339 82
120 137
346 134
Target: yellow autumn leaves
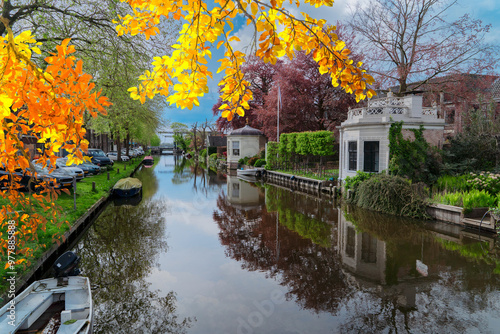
183 76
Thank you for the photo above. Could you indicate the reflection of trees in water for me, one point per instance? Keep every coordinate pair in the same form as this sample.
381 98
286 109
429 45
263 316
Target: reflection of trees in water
311 272
149 181
189 170
119 251
457 295
311 217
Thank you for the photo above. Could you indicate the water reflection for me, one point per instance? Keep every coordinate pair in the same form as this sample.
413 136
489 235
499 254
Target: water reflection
264 241
118 253
375 273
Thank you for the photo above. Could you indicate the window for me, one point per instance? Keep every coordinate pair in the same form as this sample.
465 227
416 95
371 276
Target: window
236 148
353 155
236 190
371 156
350 246
368 248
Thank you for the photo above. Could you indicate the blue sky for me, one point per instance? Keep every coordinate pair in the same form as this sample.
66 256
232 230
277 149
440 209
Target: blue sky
486 10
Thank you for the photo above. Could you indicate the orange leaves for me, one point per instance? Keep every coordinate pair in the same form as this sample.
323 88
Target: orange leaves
48 105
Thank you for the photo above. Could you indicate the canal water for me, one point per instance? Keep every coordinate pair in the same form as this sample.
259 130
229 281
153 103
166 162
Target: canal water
208 253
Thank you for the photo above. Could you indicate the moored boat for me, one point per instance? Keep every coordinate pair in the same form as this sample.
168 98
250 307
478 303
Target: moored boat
254 172
127 187
148 161
61 305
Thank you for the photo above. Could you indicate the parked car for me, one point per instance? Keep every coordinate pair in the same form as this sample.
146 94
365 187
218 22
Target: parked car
54 179
87 168
99 158
63 169
114 156
20 176
131 153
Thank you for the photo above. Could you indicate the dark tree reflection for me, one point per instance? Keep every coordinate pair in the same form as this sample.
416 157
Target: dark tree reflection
125 243
261 241
377 273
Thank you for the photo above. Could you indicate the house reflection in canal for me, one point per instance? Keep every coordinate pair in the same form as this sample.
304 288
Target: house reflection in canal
243 194
373 272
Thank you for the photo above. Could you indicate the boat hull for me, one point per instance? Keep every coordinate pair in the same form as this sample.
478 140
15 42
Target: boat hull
36 303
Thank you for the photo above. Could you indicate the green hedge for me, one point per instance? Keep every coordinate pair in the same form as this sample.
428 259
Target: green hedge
272 155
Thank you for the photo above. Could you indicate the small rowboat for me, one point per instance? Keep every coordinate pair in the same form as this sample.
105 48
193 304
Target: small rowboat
127 187
148 161
61 305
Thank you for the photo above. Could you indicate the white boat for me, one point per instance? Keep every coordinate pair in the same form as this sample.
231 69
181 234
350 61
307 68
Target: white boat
60 305
254 172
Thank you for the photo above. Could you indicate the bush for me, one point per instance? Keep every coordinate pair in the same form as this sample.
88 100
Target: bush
468 200
260 163
484 181
272 155
213 156
414 159
203 153
262 154
245 160
241 161
452 183
252 161
393 195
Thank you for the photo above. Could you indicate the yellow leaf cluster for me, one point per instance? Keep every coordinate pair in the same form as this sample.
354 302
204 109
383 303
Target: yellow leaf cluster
182 77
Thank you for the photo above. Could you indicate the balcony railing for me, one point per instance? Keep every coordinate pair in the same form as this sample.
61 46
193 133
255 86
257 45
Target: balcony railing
388 106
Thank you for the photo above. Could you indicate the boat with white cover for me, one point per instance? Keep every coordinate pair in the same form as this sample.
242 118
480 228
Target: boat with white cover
61 305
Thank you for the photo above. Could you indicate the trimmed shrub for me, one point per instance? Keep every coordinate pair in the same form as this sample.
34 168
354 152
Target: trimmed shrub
272 155
260 163
303 144
393 195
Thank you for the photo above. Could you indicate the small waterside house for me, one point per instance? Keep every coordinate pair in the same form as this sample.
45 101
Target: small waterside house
244 142
364 136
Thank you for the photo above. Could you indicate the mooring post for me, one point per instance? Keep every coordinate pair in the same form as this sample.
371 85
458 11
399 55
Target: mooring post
74 193
108 176
93 185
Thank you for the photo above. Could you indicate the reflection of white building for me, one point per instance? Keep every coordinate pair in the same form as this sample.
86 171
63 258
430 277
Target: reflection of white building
242 194
362 253
365 258
364 136
244 142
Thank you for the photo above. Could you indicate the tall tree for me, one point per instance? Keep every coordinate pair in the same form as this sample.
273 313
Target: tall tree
261 76
413 41
308 100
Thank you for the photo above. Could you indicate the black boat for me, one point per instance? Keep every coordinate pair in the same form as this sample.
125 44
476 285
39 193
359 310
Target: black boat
127 187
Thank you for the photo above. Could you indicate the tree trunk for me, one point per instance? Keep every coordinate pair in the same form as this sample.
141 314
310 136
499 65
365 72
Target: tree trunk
127 144
118 148
497 155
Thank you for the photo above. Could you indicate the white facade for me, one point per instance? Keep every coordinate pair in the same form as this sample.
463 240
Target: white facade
244 142
364 143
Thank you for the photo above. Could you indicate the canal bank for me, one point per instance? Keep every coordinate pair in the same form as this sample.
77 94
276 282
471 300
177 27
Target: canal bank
44 262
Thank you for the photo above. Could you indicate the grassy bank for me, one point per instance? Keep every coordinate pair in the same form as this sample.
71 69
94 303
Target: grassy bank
85 198
322 176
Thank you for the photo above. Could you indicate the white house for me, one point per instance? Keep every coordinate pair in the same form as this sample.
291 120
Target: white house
244 142
364 136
